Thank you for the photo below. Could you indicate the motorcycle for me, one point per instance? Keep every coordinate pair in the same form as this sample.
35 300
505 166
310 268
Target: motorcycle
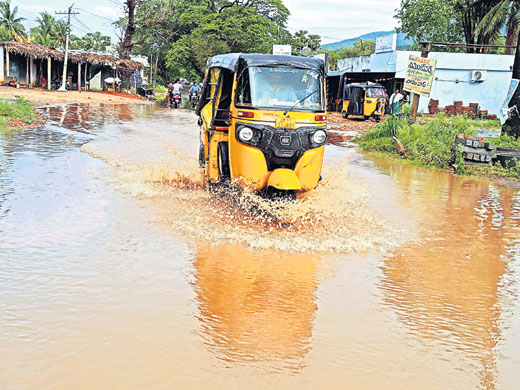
174 100
194 99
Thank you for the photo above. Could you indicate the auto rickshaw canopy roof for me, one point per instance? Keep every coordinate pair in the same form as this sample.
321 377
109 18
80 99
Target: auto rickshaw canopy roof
364 85
234 61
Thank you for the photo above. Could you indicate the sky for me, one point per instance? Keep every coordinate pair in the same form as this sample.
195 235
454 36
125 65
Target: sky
333 20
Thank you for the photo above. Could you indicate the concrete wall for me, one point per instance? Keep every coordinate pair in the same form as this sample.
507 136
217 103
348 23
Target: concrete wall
452 76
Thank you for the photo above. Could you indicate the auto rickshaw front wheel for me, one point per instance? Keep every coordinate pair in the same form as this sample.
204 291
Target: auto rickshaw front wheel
344 114
202 160
276 194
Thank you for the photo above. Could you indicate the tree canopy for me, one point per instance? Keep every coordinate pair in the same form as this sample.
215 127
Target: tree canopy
183 34
10 22
468 21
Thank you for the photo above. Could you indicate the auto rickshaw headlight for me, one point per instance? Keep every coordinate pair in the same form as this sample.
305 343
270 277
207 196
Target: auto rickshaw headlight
319 137
245 134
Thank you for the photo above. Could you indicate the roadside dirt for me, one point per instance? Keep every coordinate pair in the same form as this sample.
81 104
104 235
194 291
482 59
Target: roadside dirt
353 125
42 97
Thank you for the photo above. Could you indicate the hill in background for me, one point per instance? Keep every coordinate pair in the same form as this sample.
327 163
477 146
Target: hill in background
402 42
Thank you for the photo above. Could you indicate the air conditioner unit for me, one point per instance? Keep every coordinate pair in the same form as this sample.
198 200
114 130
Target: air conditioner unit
478 76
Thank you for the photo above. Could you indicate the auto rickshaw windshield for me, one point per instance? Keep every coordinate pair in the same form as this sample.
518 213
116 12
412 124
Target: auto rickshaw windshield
375 93
281 87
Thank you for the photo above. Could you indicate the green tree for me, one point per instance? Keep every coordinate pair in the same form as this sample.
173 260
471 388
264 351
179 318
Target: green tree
305 44
233 29
505 13
42 34
446 21
95 41
181 35
10 22
429 20
363 47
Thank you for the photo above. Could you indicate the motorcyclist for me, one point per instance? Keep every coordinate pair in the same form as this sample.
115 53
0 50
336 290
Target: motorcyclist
177 88
195 88
194 94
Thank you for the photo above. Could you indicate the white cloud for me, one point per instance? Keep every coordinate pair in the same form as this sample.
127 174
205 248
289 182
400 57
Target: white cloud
336 20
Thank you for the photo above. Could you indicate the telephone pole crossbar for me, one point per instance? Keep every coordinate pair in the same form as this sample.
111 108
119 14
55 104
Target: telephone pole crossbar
69 12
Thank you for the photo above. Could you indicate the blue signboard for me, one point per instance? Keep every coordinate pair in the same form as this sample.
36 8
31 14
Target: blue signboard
136 80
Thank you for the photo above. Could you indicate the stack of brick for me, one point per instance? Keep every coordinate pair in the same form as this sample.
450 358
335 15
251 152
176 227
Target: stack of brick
457 108
433 106
473 109
450 110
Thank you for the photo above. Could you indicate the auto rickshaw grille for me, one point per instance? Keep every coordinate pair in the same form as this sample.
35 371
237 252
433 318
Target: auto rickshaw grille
282 148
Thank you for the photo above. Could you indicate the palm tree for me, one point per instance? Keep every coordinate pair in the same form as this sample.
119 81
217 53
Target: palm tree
10 22
43 32
58 34
507 13
504 13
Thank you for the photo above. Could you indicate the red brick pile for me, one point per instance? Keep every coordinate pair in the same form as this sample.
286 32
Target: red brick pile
457 108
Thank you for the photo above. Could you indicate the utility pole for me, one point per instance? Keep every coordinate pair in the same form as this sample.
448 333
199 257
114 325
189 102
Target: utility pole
69 12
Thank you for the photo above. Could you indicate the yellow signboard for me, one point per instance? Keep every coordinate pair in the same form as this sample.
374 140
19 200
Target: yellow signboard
419 75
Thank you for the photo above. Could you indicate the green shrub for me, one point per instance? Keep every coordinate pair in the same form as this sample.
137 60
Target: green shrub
160 89
19 109
428 142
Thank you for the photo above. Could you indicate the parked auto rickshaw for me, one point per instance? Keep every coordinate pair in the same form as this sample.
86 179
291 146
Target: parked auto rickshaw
263 122
367 99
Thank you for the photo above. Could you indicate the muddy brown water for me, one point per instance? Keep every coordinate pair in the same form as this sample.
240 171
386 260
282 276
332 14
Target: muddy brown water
119 271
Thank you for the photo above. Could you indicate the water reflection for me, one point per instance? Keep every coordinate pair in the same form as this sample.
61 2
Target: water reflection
256 307
85 117
447 288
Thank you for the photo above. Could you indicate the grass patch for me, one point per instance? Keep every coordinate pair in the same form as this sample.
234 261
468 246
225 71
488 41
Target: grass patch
20 109
428 143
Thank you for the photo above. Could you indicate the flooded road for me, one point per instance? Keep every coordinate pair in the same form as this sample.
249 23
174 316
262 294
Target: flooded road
119 271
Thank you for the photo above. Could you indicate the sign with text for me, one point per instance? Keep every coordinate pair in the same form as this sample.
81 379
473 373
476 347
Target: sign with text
419 75
282 50
386 43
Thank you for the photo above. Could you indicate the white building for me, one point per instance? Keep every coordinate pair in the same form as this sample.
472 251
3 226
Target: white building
455 76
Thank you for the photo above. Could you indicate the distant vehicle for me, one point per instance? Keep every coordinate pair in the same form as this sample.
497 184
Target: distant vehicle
366 99
263 122
194 99
147 93
174 99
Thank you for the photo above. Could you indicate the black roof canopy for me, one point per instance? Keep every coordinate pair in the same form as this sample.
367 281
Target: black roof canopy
233 61
368 84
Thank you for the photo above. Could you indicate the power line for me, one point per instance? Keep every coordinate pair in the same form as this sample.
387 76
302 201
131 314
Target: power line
83 24
95 15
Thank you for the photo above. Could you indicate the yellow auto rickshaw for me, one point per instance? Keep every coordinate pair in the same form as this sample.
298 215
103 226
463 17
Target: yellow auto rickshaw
366 99
263 122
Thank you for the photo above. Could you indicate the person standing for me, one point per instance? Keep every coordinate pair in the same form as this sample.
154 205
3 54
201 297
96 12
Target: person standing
395 102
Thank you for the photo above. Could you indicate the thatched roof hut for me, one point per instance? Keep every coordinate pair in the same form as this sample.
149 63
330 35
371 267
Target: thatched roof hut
34 50
38 51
